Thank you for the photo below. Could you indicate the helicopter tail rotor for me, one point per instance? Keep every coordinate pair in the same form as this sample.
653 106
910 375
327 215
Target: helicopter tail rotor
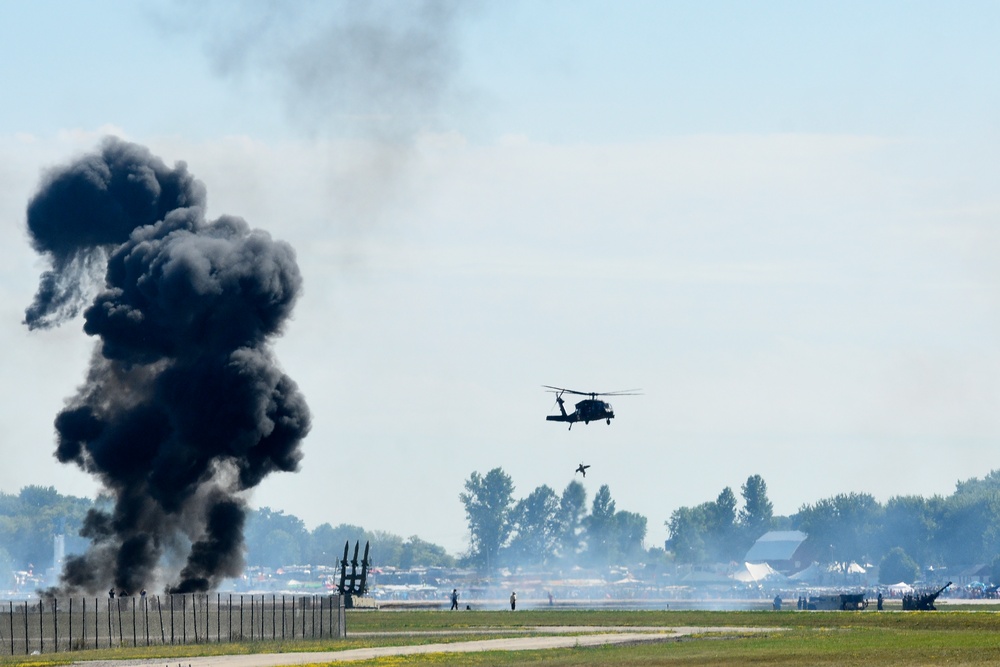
562 406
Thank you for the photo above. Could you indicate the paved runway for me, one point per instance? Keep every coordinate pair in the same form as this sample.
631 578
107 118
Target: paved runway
593 637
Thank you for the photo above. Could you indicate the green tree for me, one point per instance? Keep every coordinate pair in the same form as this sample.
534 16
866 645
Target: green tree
274 538
30 520
755 517
995 571
630 535
7 568
278 548
896 566
967 521
327 547
686 528
326 543
385 546
416 552
600 528
488 502
536 527
842 528
722 539
569 518
909 522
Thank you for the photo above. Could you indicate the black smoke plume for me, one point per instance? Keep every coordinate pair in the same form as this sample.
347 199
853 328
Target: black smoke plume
184 408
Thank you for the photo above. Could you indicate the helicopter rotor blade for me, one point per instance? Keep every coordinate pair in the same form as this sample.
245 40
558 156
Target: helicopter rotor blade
594 394
562 390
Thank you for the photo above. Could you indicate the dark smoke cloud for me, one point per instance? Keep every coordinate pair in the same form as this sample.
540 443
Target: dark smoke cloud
378 68
83 210
369 76
184 407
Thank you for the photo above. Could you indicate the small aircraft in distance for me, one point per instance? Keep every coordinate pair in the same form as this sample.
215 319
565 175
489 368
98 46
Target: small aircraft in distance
582 469
587 410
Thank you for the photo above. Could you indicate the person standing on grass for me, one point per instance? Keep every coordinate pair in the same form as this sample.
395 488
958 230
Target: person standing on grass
454 598
513 600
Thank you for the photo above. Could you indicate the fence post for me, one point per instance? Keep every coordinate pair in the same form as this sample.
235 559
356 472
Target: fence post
293 617
251 618
70 625
230 618
159 609
273 616
343 617
194 611
121 635
41 629
11 602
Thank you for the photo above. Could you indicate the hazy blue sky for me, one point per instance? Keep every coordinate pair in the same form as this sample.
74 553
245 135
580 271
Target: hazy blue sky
779 219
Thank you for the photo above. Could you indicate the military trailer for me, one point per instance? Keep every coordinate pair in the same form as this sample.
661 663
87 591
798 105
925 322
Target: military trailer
838 602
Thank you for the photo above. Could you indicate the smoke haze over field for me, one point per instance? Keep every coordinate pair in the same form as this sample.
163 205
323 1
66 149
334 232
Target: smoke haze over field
184 408
781 222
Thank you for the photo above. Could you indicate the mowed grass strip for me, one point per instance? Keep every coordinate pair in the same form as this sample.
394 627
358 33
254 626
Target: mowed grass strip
820 638
169 652
843 646
403 621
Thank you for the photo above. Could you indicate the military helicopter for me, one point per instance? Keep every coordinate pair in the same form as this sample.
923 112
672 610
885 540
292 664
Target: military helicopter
587 410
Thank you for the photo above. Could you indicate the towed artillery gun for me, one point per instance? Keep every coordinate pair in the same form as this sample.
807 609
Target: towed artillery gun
922 601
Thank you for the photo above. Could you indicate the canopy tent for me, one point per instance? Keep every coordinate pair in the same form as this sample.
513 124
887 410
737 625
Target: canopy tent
702 578
901 587
776 545
811 575
828 573
850 568
756 572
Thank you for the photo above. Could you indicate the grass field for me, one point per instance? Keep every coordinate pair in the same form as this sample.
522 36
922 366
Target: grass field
792 638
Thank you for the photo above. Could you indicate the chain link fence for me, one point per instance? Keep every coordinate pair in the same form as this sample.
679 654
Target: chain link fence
72 624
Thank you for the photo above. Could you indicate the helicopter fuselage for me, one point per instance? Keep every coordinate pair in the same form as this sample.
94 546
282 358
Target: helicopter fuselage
587 410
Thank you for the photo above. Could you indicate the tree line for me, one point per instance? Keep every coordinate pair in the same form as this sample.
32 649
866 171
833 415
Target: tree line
31 518
550 529
274 538
546 529
29 522
907 533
